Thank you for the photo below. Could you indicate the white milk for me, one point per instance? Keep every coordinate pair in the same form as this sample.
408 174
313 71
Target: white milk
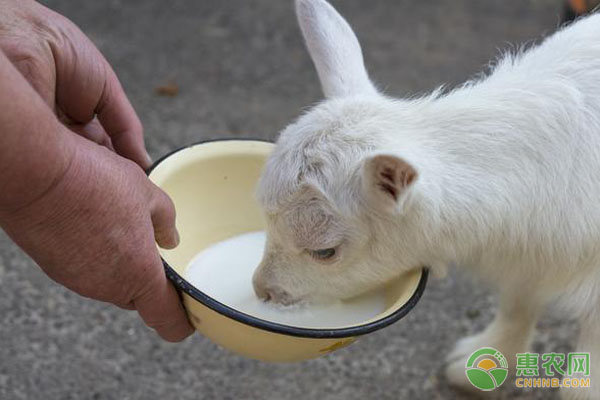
224 272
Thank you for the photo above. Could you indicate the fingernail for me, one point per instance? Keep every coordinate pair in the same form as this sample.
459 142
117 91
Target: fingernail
148 159
177 238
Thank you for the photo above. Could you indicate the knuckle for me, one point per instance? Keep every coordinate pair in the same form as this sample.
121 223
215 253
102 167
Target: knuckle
134 171
165 203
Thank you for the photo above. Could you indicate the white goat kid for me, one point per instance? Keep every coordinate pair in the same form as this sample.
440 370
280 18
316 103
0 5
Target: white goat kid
500 177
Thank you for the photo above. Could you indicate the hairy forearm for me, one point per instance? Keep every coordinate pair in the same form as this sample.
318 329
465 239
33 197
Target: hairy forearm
35 150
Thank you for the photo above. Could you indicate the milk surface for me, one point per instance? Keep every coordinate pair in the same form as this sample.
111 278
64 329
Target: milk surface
224 272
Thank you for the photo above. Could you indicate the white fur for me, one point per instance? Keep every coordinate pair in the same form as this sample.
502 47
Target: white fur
507 187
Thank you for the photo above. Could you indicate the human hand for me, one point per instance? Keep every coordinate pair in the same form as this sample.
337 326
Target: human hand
92 232
71 76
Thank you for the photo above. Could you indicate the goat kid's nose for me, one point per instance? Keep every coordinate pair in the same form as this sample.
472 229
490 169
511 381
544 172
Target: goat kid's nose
273 294
261 291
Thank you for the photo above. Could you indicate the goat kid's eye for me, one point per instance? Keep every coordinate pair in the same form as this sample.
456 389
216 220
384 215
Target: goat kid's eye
323 254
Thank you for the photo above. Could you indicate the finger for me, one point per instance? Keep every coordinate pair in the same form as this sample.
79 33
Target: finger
120 121
94 132
163 220
28 58
161 309
87 85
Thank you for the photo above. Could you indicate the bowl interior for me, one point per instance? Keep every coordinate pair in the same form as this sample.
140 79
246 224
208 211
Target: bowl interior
213 188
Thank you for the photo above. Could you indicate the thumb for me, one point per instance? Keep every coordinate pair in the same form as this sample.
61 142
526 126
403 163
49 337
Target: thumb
161 309
163 219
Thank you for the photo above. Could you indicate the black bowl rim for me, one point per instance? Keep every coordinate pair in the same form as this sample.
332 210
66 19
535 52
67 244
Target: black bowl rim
275 327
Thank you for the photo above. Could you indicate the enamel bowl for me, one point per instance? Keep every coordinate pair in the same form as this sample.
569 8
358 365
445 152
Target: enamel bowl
212 185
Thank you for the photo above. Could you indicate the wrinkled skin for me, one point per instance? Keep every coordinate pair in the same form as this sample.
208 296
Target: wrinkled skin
93 233
71 76
74 194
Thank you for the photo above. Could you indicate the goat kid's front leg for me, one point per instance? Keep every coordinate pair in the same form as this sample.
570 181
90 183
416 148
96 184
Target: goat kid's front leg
510 333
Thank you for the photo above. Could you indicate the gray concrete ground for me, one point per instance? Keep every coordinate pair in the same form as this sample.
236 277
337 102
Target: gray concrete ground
243 72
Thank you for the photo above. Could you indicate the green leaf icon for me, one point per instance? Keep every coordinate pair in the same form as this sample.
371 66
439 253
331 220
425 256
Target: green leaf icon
499 375
481 379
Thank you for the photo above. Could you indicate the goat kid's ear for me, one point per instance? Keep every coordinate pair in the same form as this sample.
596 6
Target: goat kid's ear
386 179
334 49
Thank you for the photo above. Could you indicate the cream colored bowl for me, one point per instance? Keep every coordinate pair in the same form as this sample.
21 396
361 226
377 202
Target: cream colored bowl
212 185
